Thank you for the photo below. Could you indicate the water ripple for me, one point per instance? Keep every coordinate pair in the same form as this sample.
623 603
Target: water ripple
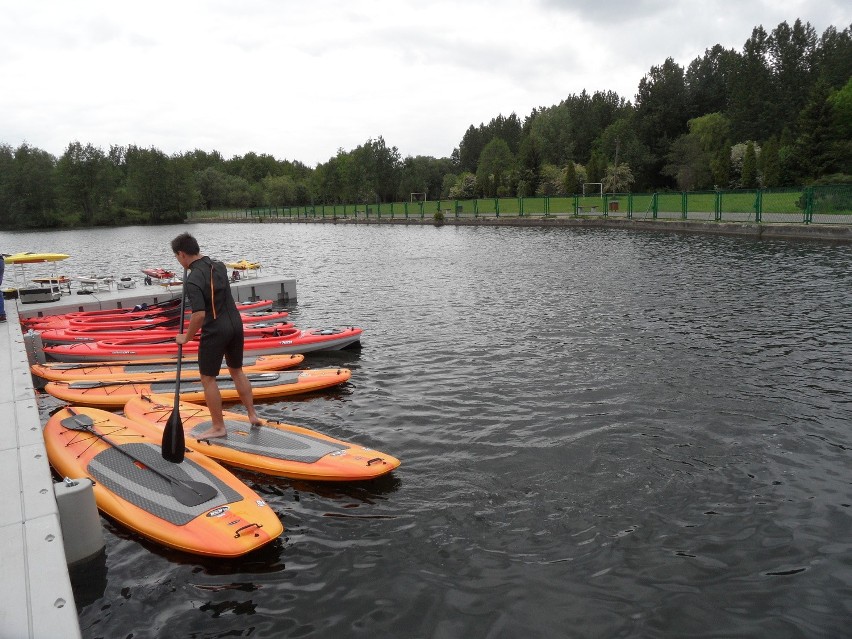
603 433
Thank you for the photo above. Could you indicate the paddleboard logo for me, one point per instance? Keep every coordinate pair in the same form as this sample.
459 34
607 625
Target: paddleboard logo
218 512
286 341
260 503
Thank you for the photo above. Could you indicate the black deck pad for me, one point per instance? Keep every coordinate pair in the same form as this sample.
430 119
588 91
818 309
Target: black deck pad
152 493
258 380
270 442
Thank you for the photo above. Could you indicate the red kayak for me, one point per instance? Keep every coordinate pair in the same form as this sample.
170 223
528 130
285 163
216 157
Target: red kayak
148 333
159 321
158 273
120 316
291 340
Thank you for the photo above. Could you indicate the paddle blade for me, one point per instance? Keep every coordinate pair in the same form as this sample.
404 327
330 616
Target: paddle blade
173 445
192 493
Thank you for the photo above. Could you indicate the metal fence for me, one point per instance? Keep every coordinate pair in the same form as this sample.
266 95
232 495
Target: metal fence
809 205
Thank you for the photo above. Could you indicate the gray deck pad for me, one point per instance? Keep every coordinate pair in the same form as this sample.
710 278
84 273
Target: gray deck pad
258 380
170 367
150 492
270 442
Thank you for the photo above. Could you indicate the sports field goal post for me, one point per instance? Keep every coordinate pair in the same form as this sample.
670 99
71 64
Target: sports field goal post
418 197
597 191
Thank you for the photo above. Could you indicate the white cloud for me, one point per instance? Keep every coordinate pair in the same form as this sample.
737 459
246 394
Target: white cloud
299 80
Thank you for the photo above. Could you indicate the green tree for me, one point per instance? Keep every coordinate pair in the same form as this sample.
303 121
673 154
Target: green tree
751 109
770 164
465 187
816 143
31 189
841 107
159 186
692 158
617 178
278 190
530 164
550 181
494 169
661 111
748 178
570 181
688 164
596 167
86 182
791 57
708 81
423 174
833 57
7 163
447 185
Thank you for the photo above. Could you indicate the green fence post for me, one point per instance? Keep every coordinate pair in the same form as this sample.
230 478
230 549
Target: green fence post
758 206
809 205
684 205
629 206
655 206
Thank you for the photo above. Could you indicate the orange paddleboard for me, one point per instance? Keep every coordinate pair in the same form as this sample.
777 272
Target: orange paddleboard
196 506
152 370
272 448
271 385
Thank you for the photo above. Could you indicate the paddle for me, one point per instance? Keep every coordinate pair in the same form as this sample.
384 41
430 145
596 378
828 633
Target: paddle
187 492
173 439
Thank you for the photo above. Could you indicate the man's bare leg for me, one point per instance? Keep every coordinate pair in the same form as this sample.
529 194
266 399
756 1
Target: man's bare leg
243 386
213 399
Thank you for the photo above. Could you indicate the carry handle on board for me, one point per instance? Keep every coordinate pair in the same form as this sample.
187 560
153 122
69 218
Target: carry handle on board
187 492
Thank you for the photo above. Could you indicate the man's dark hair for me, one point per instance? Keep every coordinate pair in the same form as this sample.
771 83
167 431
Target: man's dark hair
186 243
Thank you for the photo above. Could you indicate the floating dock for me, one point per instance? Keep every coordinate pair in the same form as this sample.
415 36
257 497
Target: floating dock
279 290
36 599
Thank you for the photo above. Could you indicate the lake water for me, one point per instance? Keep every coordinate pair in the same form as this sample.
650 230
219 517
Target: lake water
603 434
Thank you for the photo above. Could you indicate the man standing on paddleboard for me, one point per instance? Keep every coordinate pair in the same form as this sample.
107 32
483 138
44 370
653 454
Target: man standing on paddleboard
213 312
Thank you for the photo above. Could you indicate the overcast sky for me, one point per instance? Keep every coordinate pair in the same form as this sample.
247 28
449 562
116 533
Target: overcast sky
299 80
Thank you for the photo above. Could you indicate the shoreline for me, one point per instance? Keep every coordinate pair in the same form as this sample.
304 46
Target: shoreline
821 232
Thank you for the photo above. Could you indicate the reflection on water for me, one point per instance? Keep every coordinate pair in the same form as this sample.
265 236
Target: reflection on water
603 433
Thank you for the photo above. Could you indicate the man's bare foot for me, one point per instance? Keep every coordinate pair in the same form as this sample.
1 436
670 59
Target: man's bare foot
213 432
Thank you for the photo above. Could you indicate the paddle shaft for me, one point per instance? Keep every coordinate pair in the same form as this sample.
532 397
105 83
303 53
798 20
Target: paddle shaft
190 485
173 443
180 346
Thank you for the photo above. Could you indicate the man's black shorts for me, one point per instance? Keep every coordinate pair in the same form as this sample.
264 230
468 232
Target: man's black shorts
215 346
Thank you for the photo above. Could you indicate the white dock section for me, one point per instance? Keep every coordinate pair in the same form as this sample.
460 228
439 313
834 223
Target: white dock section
277 289
36 600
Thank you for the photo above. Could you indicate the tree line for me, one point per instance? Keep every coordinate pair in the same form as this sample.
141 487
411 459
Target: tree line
778 113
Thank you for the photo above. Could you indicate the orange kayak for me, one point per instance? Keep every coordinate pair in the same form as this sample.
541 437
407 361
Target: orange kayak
273 448
196 506
272 385
152 370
